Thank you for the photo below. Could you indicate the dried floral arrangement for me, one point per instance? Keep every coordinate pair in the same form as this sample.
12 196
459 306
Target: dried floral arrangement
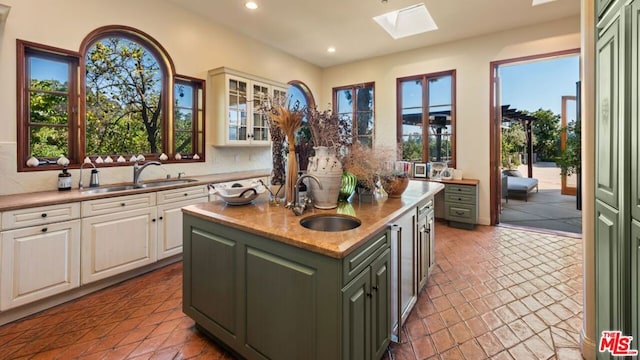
288 121
367 164
328 129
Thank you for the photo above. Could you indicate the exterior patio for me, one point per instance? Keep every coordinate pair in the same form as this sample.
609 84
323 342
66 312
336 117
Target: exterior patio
547 208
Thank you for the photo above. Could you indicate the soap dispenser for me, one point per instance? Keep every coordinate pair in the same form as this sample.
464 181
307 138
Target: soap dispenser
95 180
64 180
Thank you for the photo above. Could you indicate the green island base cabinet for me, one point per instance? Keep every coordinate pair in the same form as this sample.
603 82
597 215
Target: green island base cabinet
265 299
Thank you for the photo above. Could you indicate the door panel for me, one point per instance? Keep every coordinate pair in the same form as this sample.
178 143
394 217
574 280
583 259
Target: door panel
607 114
281 306
607 249
356 318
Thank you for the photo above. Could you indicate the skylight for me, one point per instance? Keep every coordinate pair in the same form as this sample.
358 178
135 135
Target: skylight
405 22
540 2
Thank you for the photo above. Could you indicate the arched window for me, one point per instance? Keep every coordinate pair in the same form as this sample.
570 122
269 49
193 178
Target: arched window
300 93
129 102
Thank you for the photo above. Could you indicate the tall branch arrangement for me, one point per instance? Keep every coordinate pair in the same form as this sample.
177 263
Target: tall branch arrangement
328 129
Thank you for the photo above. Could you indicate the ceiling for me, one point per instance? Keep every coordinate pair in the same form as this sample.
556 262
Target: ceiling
306 28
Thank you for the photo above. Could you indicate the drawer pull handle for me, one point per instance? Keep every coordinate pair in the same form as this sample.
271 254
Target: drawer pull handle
459 212
369 295
44 215
459 199
375 288
123 204
44 230
459 189
185 194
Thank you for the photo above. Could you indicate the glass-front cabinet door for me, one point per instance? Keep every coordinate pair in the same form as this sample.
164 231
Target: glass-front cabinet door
237 110
260 125
237 107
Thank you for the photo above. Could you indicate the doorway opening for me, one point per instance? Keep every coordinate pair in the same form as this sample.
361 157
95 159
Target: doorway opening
535 148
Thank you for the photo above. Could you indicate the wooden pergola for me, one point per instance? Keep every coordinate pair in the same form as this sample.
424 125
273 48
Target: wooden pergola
512 115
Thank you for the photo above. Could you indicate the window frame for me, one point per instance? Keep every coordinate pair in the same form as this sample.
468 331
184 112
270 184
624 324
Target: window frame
311 101
354 107
196 107
25 50
424 78
77 98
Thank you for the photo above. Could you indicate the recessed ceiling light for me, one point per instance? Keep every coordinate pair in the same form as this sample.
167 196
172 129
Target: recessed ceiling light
331 49
252 5
405 22
540 2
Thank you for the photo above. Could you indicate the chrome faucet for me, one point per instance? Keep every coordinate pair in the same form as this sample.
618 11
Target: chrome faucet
80 183
137 170
298 209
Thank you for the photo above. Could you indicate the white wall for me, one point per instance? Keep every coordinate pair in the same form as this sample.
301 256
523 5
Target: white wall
194 44
470 58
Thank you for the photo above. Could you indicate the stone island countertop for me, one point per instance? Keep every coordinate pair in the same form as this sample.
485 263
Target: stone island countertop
280 224
53 197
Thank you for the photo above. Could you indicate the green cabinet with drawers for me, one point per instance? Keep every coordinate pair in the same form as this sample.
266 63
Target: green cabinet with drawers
461 205
268 300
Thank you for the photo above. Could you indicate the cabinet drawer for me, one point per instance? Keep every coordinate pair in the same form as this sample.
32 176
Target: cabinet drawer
39 215
117 204
460 198
355 262
460 189
461 213
175 195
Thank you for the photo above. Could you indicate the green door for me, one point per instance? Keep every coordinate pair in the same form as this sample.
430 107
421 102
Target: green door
210 288
356 318
608 262
380 304
607 114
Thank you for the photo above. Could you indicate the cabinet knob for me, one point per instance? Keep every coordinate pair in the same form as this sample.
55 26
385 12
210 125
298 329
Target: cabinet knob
369 295
160 218
185 194
44 215
122 204
375 288
459 199
153 220
44 230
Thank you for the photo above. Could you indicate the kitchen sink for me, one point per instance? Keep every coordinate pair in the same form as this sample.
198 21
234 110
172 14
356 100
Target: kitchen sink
325 222
152 184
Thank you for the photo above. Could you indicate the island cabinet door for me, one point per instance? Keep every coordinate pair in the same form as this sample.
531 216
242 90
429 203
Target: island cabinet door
282 306
380 304
211 285
356 317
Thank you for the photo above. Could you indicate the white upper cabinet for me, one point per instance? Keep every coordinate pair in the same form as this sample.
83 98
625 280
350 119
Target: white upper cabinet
237 98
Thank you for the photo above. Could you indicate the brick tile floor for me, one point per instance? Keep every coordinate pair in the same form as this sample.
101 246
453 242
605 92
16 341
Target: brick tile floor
496 293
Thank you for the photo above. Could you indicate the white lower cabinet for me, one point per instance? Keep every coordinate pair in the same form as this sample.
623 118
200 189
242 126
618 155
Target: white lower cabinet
115 243
38 262
48 250
170 227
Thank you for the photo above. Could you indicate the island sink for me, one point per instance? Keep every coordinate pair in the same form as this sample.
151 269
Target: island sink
331 222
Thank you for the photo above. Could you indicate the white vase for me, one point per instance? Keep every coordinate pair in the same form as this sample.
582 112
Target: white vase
328 169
